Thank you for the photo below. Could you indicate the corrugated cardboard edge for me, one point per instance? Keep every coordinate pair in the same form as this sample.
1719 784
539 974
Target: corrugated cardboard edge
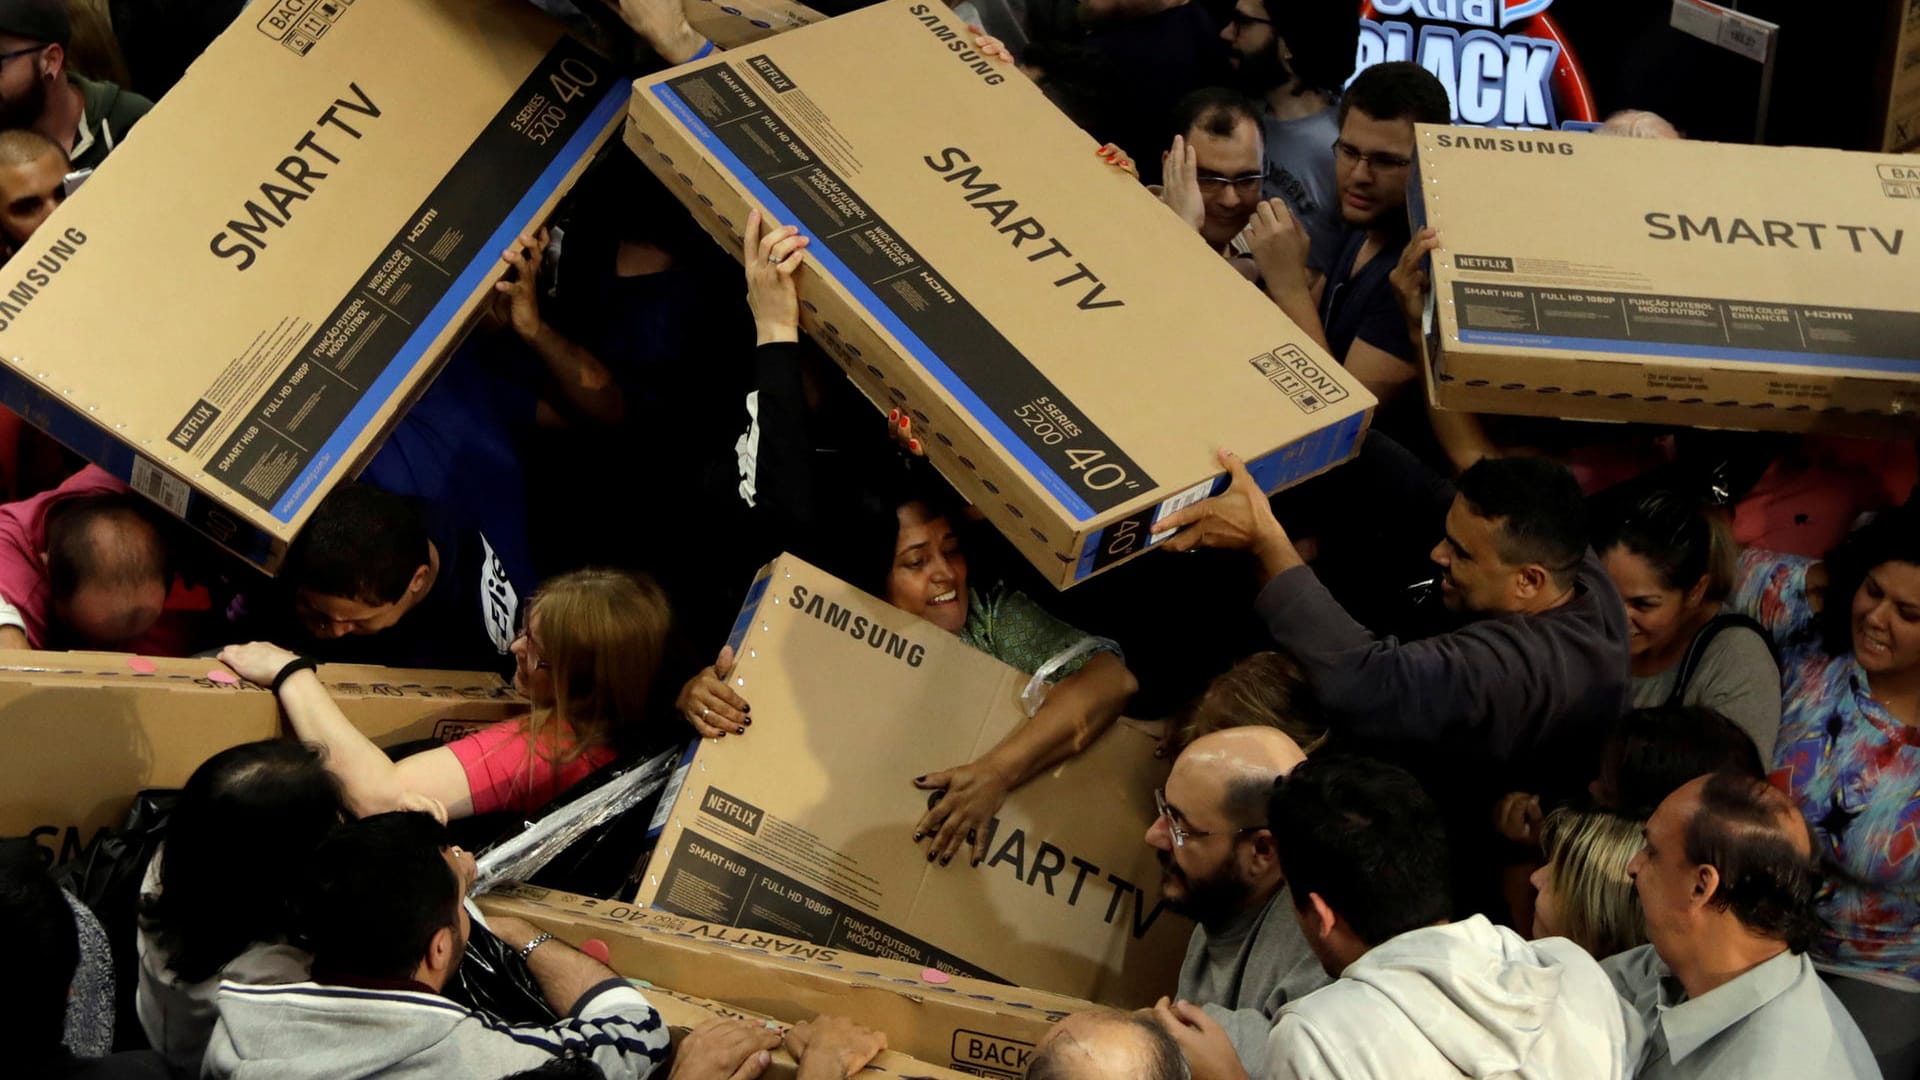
963 1022
1511 398
533 903
684 1012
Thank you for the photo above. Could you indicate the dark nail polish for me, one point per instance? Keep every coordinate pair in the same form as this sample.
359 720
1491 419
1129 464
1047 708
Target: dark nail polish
739 731
918 836
919 779
929 856
946 860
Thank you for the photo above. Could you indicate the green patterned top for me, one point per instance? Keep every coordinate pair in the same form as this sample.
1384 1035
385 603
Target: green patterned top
1010 627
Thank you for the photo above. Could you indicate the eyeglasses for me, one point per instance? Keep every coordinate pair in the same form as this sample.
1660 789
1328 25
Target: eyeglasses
1243 20
6 56
1249 182
1350 155
1181 833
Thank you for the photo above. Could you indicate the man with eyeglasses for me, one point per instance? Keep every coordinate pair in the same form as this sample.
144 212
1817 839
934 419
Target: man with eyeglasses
1215 170
1353 311
1247 956
1414 994
85 118
1293 58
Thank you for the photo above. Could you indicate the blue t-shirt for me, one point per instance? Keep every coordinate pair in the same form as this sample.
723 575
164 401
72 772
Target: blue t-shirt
1361 306
460 449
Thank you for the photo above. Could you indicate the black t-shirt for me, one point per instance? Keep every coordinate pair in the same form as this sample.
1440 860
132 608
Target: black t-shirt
1361 305
466 622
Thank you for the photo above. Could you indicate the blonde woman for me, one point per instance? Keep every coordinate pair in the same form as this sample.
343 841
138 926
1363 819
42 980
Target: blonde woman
585 659
1585 894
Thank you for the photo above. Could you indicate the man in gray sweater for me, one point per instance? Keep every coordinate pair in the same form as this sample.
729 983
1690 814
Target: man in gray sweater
1219 867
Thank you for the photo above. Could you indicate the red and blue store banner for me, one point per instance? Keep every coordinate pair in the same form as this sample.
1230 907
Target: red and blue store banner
1505 63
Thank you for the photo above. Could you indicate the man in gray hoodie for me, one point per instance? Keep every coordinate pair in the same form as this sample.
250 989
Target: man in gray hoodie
1413 995
388 929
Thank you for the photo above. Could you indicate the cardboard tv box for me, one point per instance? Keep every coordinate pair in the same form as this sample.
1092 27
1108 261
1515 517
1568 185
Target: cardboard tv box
803 827
250 292
1692 283
1072 355
85 731
684 1013
966 1024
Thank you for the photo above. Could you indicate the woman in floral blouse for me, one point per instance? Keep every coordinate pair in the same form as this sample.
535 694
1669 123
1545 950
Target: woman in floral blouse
1849 752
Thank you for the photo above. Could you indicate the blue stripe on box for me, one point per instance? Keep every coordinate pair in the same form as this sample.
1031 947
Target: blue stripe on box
485 260
819 253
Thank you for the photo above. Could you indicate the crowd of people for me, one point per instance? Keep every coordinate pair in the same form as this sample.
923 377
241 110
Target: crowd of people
1510 748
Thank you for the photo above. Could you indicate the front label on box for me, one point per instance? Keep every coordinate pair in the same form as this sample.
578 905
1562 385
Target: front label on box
1687 326
1062 447
710 881
313 387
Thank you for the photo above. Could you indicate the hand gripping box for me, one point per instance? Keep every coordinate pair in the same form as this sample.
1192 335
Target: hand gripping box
1702 284
1072 355
85 731
967 1024
251 290
803 826
685 1013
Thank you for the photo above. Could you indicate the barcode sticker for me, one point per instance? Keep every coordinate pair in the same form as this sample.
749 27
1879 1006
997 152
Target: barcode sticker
161 486
1194 494
669 797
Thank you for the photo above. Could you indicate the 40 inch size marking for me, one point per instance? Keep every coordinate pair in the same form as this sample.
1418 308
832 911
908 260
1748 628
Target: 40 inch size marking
1098 474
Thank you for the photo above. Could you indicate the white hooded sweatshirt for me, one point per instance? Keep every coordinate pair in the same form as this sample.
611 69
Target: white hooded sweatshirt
1464 999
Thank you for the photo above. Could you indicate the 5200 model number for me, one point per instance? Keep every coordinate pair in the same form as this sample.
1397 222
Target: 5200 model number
1049 424
541 119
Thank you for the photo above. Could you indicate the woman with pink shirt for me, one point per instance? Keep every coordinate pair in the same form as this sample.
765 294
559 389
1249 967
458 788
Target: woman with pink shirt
585 659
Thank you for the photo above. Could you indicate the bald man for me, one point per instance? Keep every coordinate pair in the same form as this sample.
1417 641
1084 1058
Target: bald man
33 171
1725 987
1219 867
1104 1044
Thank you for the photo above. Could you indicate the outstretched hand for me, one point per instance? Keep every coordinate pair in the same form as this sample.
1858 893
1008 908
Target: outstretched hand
1238 519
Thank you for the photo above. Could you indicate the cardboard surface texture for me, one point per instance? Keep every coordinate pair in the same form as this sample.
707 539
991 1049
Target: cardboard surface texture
1691 283
336 184
86 731
733 23
1071 354
684 1013
803 827
967 1024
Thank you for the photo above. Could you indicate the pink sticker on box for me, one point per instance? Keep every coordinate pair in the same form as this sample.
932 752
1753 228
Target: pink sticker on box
142 665
223 677
937 978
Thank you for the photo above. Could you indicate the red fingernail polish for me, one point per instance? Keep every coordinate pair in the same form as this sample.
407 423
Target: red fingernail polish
914 445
